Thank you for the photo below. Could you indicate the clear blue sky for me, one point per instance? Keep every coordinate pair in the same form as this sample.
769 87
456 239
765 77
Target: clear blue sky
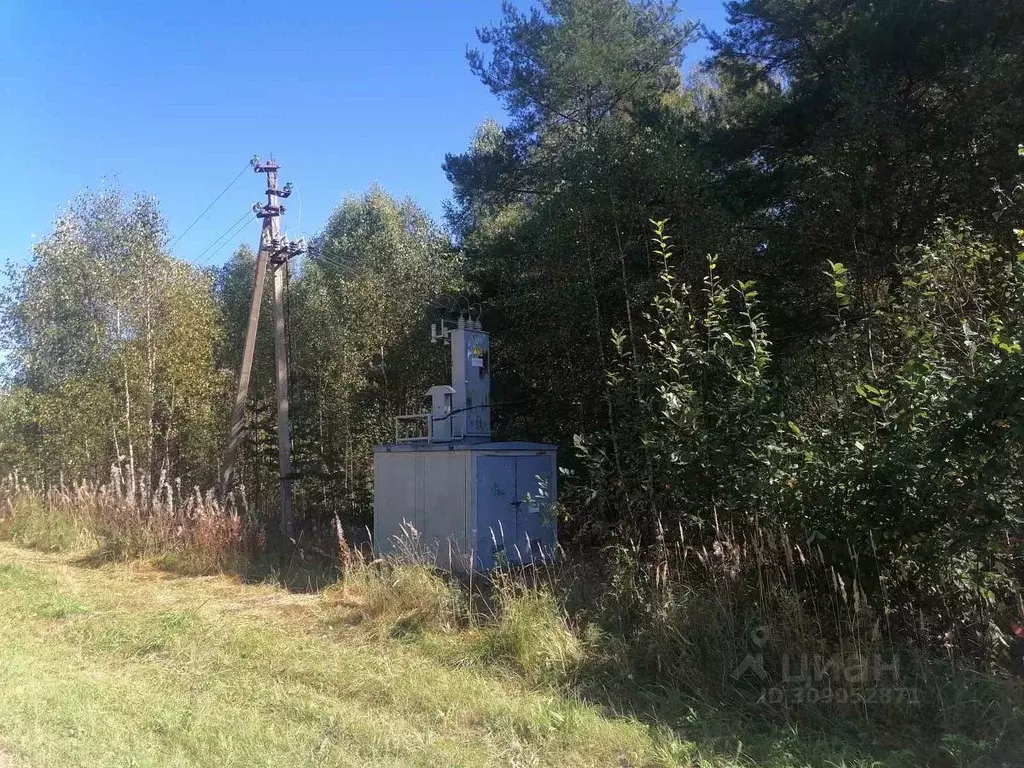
171 99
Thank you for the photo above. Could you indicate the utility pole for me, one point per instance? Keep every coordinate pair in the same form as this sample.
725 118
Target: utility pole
274 252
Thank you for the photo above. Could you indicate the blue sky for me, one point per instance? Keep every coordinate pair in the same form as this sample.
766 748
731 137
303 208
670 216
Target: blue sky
172 98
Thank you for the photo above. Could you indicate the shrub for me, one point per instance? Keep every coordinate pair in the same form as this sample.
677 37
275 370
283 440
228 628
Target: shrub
404 598
530 634
764 624
900 453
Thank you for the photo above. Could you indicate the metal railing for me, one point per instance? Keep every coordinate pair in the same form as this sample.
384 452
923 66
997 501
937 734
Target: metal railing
412 418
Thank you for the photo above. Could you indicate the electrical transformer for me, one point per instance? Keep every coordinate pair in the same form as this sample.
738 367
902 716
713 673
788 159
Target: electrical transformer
444 488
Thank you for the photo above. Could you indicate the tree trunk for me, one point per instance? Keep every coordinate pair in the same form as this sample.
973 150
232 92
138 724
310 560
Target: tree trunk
151 373
127 411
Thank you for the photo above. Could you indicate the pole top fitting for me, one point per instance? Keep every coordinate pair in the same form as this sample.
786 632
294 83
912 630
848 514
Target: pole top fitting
267 211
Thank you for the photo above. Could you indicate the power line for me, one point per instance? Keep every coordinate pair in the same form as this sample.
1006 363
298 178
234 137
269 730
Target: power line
225 237
229 238
347 270
220 247
325 260
218 197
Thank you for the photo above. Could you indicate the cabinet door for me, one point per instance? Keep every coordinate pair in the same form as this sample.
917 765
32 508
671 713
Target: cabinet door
496 530
397 499
533 496
444 502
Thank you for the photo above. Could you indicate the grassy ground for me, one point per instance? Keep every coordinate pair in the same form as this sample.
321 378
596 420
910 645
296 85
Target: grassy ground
128 665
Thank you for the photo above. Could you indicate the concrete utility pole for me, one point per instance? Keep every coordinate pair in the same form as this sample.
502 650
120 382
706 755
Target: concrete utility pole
275 252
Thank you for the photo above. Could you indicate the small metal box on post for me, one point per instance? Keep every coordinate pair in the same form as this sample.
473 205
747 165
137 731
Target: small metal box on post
467 501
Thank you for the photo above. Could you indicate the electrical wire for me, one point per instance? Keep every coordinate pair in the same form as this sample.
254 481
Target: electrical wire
332 262
230 237
207 208
215 247
346 269
232 228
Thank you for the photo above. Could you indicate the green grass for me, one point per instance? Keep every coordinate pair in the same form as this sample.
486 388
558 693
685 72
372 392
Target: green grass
30 524
123 666
128 665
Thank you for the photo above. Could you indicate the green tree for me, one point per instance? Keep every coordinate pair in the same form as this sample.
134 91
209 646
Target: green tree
551 209
112 348
361 350
847 128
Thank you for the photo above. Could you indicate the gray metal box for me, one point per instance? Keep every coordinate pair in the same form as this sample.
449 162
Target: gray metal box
472 505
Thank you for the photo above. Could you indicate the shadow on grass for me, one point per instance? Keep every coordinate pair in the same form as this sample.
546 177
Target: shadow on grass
709 726
743 728
299 570
97 558
301 576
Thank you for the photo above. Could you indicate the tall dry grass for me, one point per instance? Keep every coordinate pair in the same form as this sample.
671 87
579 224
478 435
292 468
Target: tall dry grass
759 622
764 625
783 629
127 518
